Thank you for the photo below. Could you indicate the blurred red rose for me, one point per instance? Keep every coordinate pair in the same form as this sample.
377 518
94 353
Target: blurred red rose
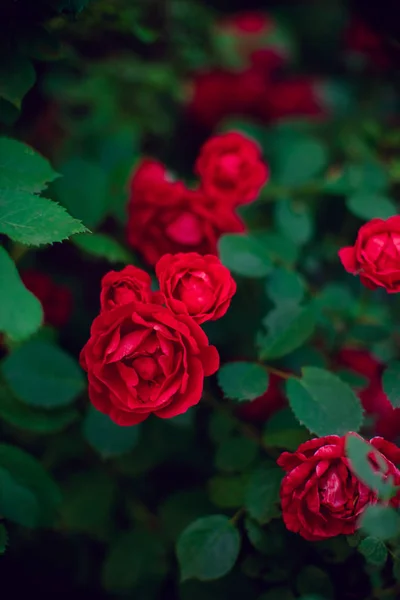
169 218
149 175
362 40
321 497
231 169
360 361
376 254
251 22
263 407
121 287
295 97
143 359
199 286
55 299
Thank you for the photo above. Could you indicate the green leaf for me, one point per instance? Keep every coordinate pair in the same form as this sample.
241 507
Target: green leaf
227 491
391 382
181 508
21 313
244 255
39 421
283 431
43 375
298 159
294 220
368 177
262 493
289 326
106 437
22 168
359 452
235 454
25 473
374 551
382 522
221 427
285 287
314 401
336 297
280 249
133 557
257 536
208 548
243 380
101 245
368 206
3 539
33 220
17 76
83 191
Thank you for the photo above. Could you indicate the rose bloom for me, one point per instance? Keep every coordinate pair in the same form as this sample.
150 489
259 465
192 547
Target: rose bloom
263 407
376 254
321 497
148 176
373 398
55 299
231 169
142 359
295 97
199 286
121 287
170 218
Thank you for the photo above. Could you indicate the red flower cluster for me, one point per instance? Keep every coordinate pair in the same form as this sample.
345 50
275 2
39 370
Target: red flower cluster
259 90
372 396
321 497
167 217
376 255
55 299
147 352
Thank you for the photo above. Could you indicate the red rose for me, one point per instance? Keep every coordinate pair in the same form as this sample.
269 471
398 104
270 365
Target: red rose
121 287
263 407
55 299
170 218
199 286
296 97
321 497
360 361
148 175
250 22
376 255
142 359
231 169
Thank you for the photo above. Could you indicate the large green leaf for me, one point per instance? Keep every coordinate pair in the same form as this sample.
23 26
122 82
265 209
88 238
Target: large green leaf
298 159
33 220
382 522
243 380
391 383
208 548
103 246
83 190
43 375
22 168
262 493
21 313
374 551
108 438
285 287
289 326
244 255
26 491
369 206
324 403
294 220
359 453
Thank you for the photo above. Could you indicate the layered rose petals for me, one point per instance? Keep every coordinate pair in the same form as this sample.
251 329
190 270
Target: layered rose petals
141 359
199 286
320 496
230 169
375 257
121 287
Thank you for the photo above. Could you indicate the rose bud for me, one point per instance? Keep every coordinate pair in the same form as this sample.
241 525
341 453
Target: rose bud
376 255
143 359
55 299
199 286
321 497
231 169
121 287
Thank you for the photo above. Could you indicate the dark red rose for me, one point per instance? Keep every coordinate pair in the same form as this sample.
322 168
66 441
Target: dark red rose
249 22
148 175
360 361
263 407
321 497
361 40
121 287
376 255
231 169
170 219
199 286
296 97
142 359
55 299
